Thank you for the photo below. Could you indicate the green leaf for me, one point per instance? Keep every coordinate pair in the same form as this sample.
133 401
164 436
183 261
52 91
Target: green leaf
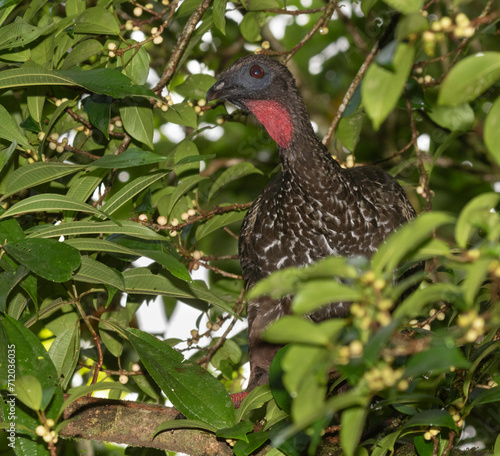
469 78
427 418
18 34
36 100
255 400
251 24
412 305
32 359
48 258
193 391
81 52
92 271
471 216
186 184
97 21
98 108
410 24
29 391
487 397
382 88
367 5
349 130
138 122
351 427
217 222
130 158
294 329
78 228
182 114
125 194
255 441
104 81
219 15
196 86
317 293
173 265
64 352
454 118
492 131
405 6
186 150
184 424
9 130
407 238
37 174
50 202
231 174
435 360
143 281
137 68
238 432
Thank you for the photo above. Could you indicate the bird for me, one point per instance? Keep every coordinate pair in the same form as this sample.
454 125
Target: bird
313 208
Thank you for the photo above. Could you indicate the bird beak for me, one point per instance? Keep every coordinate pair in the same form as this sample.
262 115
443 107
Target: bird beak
216 91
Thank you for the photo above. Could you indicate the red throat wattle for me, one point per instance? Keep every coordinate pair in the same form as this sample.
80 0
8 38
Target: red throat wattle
275 118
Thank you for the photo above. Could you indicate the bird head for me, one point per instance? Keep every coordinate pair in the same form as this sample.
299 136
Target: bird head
266 88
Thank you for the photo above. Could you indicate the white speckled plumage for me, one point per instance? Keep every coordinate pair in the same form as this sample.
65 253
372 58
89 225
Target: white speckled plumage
313 208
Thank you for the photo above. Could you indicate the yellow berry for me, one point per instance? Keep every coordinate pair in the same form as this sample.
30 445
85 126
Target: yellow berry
446 23
47 437
427 78
129 25
143 218
379 284
58 103
136 28
462 20
266 45
427 436
41 136
184 216
60 149
119 124
123 379
154 30
161 220
202 102
174 222
191 212
137 11
165 2
149 6
111 54
220 121
356 348
173 233
428 36
323 30
40 430
158 39
197 254
136 367
436 26
197 109
54 136
112 46
53 146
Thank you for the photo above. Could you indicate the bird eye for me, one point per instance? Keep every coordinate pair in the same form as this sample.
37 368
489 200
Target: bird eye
256 71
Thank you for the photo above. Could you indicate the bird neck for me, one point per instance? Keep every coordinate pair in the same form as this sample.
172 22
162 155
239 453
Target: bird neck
305 160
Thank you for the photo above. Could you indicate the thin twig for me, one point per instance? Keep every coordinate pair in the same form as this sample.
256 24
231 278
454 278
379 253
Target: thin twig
322 22
100 358
238 307
357 79
180 46
424 177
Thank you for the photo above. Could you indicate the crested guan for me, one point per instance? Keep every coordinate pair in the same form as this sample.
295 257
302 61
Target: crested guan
313 208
